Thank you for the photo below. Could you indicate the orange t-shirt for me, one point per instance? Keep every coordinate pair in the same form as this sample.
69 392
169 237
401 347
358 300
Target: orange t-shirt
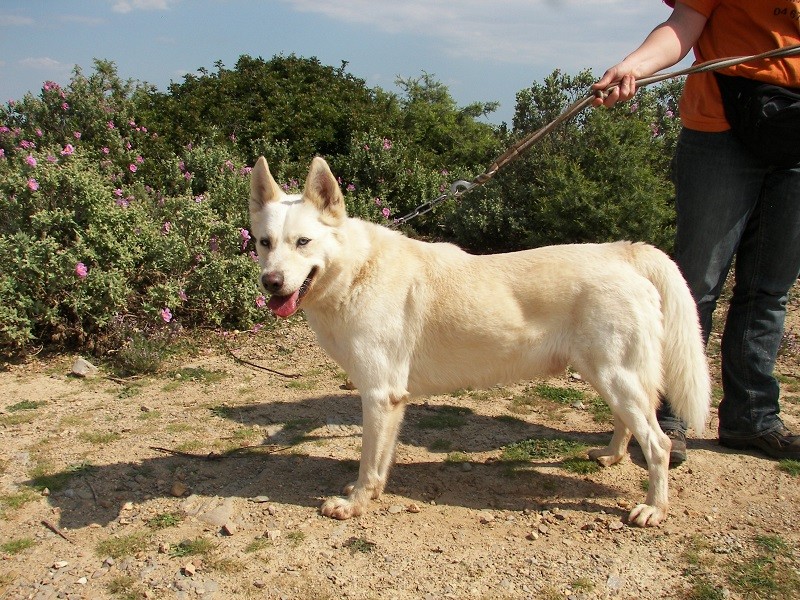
739 28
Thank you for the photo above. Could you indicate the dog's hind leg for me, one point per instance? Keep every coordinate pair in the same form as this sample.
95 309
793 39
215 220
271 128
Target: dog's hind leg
634 413
617 448
383 415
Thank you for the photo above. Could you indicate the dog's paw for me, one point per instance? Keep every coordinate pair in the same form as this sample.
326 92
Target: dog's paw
339 508
645 515
605 457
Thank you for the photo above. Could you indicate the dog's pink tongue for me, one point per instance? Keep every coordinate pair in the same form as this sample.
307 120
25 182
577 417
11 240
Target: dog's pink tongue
284 306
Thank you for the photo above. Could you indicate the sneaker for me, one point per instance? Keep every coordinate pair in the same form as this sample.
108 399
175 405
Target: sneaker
775 444
677 455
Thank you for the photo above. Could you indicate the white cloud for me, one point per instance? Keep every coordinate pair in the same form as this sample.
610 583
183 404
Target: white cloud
126 6
14 21
525 32
43 63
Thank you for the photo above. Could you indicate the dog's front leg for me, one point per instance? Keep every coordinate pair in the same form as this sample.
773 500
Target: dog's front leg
383 414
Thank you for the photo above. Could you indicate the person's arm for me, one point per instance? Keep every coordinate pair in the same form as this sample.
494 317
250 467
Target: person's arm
666 45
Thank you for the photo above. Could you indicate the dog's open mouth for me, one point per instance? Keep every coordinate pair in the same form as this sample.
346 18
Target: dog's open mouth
286 306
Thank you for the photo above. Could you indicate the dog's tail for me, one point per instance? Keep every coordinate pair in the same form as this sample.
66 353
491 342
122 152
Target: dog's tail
687 384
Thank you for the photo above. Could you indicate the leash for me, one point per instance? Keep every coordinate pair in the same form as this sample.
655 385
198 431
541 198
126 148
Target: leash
461 187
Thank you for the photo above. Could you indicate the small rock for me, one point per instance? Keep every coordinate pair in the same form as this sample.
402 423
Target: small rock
260 499
486 518
178 489
60 564
542 528
466 467
272 534
533 535
396 509
616 525
413 508
189 569
229 528
83 368
82 581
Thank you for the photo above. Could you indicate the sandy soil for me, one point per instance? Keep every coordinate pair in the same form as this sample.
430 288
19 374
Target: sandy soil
205 481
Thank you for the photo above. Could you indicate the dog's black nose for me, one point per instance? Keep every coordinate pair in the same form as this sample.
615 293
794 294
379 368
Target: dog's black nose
272 282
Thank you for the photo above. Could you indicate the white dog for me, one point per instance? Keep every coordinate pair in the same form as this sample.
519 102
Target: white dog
406 318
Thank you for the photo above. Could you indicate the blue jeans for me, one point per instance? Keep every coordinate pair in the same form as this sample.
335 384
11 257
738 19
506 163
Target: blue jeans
727 204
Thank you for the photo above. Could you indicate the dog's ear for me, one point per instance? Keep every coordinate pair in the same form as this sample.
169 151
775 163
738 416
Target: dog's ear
263 187
323 191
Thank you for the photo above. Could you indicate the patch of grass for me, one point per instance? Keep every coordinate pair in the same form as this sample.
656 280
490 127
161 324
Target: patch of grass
17 419
601 413
792 467
509 420
41 478
149 415
130 390
190 446
770 574
359 544
17 546
26 405
457 457
559 395
18 500
440 445
223 411
704 590
124 587
200 374
446 417
165 520
300 384
123 545
583 584
99 437
196 547
296 537
580 466
258 544
541 449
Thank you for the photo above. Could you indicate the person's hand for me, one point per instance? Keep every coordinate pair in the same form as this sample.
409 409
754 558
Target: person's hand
624 88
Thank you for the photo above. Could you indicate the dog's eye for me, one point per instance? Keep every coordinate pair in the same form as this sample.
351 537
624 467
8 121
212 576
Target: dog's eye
303 241
264 242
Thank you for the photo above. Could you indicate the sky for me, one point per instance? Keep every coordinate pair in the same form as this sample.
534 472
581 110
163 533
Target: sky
482 50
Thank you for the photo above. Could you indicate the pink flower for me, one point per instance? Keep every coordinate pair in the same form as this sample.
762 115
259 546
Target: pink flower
2 153
133 168
245 237
386 212
166 314
33 185
261 302
64 106
81 270
51 159
377 201
39 132
77 135
31 161
118 193
166 228
350 187
182 295
387 144
106 150
68 150
111 125
139 160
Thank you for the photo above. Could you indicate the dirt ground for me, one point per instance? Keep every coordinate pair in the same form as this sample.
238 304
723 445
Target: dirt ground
204 481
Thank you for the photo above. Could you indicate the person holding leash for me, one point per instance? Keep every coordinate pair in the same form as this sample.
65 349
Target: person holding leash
736 194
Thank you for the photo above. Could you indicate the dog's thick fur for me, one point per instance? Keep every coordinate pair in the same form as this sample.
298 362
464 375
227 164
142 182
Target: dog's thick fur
406 318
